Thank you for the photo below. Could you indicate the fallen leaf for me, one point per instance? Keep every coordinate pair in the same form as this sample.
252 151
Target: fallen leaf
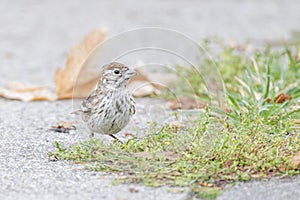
228 110
64 127
81 74
268 100
281 98
53 158
161 80
158 80
142 88
147 83
257 175
295 161
67 79
185 103
133 190
141 76
26 92
129 135
283 167
228 163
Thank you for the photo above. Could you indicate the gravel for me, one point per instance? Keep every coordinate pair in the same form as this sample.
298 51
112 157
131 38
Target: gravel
26 173
35 37
274 189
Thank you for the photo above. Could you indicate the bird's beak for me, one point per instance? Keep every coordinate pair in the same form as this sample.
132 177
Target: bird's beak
130 73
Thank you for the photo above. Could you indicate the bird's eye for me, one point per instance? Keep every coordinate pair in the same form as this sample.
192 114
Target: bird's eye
116 71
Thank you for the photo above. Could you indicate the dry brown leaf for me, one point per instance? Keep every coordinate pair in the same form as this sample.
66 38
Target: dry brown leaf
83 59
228 110
147 83
129 135
64 127
66 79
133 190
268 100
140 85
161 80
81 73
204 184
281 98
295 162
26 92
158 80
185 103
258 175
142 88
141 76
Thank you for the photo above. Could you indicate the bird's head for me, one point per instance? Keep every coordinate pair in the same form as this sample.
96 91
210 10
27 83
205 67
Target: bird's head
115 76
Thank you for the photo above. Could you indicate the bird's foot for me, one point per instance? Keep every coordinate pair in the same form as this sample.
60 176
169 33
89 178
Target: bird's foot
116 139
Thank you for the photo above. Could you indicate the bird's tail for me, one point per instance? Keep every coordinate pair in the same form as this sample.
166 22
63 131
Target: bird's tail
77 112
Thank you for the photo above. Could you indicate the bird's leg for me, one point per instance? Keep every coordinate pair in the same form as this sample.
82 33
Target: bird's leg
116 139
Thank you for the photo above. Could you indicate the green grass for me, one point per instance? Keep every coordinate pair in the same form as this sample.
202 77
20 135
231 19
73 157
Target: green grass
254 137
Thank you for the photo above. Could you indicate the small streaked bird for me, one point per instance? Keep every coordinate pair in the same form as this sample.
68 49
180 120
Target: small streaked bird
109 107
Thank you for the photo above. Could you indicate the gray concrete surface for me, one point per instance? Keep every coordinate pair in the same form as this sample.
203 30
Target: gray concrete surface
35 37
26 173
269 189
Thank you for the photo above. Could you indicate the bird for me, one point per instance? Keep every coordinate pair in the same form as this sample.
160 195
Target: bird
109 108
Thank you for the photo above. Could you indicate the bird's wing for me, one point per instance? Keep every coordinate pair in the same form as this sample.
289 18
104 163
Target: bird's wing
89 103
132 106
77 112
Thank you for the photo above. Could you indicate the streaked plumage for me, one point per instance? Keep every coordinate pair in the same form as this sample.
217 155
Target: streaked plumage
109 107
